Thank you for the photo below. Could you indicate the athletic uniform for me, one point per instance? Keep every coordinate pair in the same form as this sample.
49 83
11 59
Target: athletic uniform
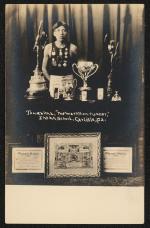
60 69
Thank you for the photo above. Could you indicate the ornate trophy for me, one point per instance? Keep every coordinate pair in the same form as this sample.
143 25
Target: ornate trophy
112 48
85 70
38 87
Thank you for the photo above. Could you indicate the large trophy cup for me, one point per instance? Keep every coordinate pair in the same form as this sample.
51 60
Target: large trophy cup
84 70
37 84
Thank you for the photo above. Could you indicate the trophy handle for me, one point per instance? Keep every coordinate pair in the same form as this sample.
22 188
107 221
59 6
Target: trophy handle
74 64
96 68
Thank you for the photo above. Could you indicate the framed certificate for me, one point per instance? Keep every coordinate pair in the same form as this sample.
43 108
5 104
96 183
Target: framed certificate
118 159
73 155
28 160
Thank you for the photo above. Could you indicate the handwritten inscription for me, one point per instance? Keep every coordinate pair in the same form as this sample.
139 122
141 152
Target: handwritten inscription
94 117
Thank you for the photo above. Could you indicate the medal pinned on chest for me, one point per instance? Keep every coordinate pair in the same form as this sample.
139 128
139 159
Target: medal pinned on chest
59 57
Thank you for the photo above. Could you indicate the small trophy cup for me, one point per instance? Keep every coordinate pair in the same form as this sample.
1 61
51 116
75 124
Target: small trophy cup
85 70
116 97
37 84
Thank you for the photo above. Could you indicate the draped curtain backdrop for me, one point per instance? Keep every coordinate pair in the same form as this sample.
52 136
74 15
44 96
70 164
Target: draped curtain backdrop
88 25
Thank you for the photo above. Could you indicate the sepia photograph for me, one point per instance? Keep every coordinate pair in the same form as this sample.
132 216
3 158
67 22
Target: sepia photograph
74 88
67 75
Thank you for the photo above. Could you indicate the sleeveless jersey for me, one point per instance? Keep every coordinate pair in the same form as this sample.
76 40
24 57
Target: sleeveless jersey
60 62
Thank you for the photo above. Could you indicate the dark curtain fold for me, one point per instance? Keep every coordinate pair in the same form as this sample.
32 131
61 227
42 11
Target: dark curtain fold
71 22
45 19
106 21
91 46
54 14
118 23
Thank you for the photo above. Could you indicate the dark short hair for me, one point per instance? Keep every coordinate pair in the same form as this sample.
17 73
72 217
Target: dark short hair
60 23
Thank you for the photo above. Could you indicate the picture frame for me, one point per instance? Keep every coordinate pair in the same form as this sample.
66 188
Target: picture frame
73 155
28 159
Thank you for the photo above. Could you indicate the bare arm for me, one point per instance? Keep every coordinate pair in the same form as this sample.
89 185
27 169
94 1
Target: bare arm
74 49
74 52
45 61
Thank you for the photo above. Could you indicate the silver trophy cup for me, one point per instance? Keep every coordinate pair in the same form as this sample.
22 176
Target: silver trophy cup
84 70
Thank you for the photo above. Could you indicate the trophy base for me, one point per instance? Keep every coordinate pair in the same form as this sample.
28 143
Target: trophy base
32 97
37 86
85 93
68 99
37 95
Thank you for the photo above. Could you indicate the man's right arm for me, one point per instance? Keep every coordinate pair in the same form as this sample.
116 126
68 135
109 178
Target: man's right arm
45 61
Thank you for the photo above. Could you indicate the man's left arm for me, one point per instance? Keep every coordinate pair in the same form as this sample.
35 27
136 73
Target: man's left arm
74 52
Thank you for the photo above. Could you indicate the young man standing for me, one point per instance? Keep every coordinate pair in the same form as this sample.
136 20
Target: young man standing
58 59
